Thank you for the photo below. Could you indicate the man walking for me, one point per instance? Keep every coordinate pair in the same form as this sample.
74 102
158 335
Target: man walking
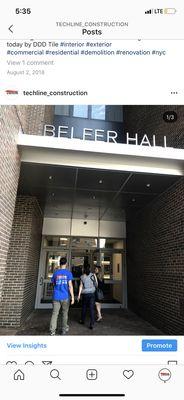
63 289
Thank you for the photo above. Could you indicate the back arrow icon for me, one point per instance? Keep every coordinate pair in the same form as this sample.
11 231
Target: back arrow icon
10 28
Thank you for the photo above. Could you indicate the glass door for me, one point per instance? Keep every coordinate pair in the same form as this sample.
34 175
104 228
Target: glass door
108 253
112 264
76 265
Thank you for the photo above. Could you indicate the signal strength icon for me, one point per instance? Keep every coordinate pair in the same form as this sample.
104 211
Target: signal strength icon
148 12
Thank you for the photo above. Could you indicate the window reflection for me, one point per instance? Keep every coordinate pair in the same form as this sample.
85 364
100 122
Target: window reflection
113 113
56 241
80 111
98 112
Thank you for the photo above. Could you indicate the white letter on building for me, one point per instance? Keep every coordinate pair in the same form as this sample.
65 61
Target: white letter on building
154 141
62 130
131 139
145 141
111 136
49 130
98 134
72 129
87 132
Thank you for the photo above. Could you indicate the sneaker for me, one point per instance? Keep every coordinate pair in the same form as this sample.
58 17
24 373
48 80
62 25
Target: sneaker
65 331
52 333
91 327
99 319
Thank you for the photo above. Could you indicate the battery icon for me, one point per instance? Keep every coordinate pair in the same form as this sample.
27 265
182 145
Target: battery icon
170 10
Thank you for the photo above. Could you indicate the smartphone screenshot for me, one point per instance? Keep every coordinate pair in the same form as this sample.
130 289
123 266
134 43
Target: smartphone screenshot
92 200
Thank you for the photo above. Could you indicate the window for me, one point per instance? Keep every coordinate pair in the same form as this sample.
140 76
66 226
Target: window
80 111
114 113
62 110
98 112
91 112
101 112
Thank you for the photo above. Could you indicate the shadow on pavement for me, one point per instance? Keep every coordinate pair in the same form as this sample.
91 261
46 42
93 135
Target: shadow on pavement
115 322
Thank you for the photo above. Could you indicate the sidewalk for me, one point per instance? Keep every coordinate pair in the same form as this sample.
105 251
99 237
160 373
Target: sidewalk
115 322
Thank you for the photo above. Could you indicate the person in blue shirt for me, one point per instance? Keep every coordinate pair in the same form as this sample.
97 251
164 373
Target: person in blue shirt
62 290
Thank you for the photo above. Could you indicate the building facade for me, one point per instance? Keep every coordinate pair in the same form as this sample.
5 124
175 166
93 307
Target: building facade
99 184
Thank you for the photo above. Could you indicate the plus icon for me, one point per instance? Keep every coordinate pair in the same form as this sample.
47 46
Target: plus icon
91 374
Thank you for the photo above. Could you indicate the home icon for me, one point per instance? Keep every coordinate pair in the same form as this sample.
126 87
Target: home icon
19 376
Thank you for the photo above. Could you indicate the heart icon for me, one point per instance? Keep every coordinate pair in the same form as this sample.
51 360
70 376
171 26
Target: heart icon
128 373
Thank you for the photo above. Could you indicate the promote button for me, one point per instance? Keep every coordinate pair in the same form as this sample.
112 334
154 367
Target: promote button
159 345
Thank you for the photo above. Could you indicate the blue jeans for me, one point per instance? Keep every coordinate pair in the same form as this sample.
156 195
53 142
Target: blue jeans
88 301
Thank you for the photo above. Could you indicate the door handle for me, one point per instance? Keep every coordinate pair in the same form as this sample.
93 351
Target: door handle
41 281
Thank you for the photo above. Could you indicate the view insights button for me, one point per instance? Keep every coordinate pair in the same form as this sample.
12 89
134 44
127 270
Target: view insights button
159 345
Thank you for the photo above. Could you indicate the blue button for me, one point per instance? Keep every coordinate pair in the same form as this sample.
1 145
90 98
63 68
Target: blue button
159 345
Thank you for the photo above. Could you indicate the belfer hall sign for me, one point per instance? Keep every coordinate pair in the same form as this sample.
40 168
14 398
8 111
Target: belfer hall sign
100 135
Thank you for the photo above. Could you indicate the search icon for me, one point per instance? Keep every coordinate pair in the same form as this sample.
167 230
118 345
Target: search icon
54 373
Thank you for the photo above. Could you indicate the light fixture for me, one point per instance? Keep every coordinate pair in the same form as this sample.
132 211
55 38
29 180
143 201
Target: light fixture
102 243
133 199
63 239
148 185
100 181
93 197
50 177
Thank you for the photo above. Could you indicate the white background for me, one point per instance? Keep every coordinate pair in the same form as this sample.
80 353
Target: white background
107 79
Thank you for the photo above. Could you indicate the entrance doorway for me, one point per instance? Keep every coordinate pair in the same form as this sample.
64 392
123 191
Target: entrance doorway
108 253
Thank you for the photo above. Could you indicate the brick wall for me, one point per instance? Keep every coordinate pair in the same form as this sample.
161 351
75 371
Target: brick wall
10 168
37 116
155 241
20 282
155 260
13 118
149 120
